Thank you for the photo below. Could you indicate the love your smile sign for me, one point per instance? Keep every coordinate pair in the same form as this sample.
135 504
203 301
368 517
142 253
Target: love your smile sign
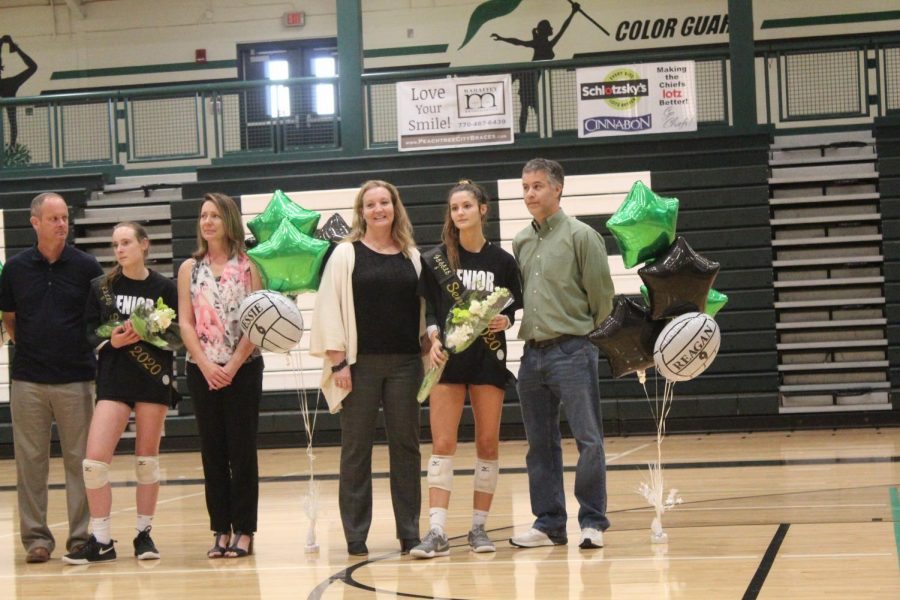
454 112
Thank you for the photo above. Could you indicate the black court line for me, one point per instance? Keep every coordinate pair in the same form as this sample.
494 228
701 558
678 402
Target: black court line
346 577
520 470
762 571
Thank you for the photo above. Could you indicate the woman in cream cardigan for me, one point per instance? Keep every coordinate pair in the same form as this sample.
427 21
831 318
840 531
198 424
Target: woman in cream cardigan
367 326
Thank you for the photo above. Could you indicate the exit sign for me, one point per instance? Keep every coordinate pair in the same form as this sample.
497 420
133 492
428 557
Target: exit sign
294 19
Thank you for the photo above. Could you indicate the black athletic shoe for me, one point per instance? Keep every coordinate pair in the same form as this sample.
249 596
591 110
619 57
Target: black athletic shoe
92 552
144 548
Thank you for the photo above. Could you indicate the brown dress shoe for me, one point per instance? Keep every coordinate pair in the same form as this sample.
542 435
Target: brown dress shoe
38 554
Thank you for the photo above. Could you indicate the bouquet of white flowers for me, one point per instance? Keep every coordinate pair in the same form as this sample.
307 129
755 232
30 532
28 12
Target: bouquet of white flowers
468 320
153 325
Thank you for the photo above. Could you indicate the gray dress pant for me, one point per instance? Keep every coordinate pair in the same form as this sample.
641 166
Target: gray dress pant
34 407
388 382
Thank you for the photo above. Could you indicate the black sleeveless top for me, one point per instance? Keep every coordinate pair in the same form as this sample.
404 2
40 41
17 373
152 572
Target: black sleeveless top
386 302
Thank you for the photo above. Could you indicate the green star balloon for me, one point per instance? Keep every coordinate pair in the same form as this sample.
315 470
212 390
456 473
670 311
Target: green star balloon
715 300
644 224
281 207
290 261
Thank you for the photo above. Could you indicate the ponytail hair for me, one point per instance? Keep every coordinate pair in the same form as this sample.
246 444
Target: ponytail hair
450 233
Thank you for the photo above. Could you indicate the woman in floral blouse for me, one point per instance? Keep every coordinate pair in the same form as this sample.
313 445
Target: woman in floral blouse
224 373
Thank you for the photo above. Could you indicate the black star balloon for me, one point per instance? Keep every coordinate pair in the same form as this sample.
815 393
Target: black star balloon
679 281
627 336
334 230
715 300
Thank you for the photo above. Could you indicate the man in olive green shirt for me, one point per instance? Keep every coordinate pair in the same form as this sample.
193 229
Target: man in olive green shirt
567 292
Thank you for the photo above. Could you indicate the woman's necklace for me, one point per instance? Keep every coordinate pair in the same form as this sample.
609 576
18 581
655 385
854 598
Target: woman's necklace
380 248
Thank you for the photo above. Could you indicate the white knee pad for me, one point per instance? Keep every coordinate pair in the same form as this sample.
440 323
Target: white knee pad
440 472
486 473
146 469
96 473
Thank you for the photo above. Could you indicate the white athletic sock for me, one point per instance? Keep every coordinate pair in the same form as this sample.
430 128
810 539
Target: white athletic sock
143 522
101 528
437 518
479 517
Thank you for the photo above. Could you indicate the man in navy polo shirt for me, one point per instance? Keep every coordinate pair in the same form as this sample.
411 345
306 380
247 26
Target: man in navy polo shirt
43 292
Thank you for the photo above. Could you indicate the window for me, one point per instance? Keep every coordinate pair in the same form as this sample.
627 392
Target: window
276 116
324 66
278 96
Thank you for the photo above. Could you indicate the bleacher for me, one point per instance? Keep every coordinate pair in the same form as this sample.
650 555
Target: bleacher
723 186
887 143
716 175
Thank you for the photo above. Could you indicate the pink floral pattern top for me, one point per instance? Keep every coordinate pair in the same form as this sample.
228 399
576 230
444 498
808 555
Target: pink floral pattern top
216 305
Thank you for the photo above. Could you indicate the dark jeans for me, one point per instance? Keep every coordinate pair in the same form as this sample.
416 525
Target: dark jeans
227 420
565 373
388 382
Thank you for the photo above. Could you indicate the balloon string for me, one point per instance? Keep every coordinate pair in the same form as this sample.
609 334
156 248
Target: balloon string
653 490
668 396
650 403
309 426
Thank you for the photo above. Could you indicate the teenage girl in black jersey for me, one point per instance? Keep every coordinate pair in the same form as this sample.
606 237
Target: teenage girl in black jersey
130 377
480 369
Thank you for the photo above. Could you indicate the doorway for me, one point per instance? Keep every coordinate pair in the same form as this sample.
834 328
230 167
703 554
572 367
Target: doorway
283 118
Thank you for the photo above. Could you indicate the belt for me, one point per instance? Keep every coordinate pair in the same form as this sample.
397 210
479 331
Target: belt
540 344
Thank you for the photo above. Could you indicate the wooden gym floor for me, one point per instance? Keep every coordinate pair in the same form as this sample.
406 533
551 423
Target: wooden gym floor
809 514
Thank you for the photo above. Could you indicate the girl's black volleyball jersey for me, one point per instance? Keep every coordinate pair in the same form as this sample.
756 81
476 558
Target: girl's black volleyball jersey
118 376
486 270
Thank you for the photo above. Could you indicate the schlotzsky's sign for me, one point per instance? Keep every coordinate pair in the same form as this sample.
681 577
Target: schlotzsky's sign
632 99
453 113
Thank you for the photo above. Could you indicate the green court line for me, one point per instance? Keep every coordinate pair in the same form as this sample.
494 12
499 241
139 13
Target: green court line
143 69
885 15
895 512
405 51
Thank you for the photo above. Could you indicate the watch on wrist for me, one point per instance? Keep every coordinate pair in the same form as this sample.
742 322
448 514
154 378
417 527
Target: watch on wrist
339 366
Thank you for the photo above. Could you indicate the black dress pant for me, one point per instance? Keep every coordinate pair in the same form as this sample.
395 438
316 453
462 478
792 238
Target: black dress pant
227 420
386 383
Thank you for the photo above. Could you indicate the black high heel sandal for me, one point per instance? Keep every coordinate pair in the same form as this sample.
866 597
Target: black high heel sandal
218 550
235 551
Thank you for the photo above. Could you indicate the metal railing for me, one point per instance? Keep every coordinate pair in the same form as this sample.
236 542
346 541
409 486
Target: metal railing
166 125
831 80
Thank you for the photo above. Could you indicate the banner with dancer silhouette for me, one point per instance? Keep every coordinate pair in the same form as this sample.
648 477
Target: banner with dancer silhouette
453 113
635 99
11 151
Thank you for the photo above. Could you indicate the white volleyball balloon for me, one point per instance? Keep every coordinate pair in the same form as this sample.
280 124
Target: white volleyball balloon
686 346
271 321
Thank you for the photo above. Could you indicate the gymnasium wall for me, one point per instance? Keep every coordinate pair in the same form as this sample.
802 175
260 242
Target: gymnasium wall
119 43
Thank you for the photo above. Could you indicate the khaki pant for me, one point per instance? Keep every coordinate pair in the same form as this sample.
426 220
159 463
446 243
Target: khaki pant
34 407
